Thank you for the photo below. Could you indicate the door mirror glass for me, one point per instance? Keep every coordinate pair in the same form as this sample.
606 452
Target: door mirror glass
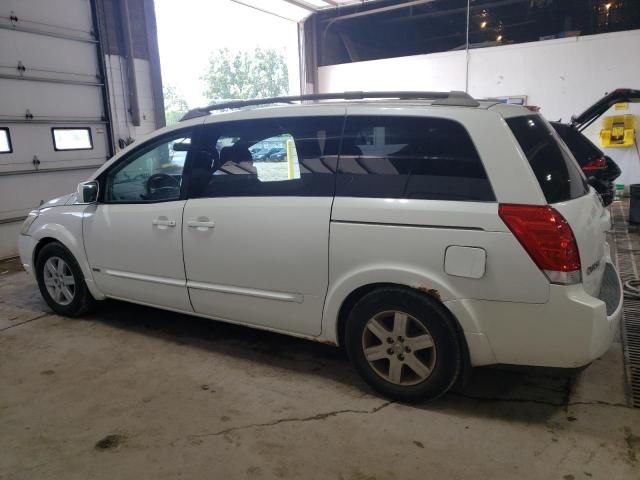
88 192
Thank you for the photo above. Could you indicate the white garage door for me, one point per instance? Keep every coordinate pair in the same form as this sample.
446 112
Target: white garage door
53 129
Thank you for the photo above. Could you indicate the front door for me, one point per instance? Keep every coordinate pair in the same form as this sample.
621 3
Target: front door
133 236
256 230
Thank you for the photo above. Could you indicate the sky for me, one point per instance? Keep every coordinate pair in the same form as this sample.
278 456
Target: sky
188 30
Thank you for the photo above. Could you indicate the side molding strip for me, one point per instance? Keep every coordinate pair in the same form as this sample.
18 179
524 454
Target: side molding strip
251 292
146 278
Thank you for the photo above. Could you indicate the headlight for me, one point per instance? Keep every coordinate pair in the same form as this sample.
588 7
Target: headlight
28 221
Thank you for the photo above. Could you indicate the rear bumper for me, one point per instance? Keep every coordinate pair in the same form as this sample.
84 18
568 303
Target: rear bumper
571 330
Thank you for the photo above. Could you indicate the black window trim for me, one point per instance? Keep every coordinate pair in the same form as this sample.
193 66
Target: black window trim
414 116
6 129
148 145
53 138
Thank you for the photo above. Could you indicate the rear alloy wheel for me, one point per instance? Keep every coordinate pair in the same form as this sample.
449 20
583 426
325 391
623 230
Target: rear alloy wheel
399 348
61 281
404 344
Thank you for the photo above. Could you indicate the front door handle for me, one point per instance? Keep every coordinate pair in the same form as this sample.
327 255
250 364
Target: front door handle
163 222
200 224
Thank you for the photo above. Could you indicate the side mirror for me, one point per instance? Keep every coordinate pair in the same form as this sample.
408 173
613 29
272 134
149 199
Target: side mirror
88 192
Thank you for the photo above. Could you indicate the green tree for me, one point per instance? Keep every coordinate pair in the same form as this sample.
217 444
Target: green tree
174 105
246 74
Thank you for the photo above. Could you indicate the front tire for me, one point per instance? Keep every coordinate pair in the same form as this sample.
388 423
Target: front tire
61 281
403 344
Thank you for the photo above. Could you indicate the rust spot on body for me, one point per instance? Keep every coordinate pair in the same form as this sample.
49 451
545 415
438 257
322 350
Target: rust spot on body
432 292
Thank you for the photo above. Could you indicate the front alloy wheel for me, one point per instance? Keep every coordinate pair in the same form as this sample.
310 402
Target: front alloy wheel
59 280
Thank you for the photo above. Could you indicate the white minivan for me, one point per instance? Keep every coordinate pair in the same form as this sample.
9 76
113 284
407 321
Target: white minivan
427 233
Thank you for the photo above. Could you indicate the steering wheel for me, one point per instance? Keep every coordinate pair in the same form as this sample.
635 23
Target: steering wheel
161 185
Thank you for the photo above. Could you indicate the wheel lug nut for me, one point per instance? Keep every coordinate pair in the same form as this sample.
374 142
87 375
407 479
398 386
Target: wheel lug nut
407 349
400 356
389 340
390 351
401 338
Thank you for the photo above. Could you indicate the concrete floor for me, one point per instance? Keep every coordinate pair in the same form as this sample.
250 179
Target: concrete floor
134 392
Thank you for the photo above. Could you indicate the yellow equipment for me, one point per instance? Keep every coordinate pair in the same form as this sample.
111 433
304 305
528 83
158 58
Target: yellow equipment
618 131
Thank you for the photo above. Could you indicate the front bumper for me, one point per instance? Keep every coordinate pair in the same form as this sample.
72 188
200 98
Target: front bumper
26 244
571 330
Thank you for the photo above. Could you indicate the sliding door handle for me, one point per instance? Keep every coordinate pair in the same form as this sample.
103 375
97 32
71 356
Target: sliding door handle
200 224
163 222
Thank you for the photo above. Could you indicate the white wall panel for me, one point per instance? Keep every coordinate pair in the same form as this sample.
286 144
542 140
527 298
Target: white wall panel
67 14
49 99
30 190
60 57
37 140
562 76
438 71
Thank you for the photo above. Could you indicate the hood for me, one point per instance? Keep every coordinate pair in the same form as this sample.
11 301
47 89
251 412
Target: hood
67 199
596 110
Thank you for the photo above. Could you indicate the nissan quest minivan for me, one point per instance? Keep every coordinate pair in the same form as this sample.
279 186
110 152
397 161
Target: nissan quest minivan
427 233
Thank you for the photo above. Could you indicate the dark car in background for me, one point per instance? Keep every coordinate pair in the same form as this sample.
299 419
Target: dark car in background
600 169
265 154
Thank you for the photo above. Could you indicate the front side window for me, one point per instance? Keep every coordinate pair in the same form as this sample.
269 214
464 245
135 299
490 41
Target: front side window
269 157
5 141
412 158
72 139
151 174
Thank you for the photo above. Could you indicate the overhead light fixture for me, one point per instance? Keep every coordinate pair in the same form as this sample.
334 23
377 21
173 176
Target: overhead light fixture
483 24
499 38
607 6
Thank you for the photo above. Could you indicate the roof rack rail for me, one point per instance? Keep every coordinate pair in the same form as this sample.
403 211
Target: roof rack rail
454 98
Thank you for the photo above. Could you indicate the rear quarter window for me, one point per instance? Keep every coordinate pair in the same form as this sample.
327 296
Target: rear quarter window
556 170
410 157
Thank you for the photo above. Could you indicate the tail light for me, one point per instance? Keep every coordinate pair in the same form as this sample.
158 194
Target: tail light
594 165
548 239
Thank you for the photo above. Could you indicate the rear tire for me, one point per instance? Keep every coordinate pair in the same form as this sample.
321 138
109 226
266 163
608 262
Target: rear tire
61 281
403 344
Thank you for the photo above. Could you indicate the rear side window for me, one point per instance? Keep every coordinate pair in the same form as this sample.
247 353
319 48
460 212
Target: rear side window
410 157
268 157
556 171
